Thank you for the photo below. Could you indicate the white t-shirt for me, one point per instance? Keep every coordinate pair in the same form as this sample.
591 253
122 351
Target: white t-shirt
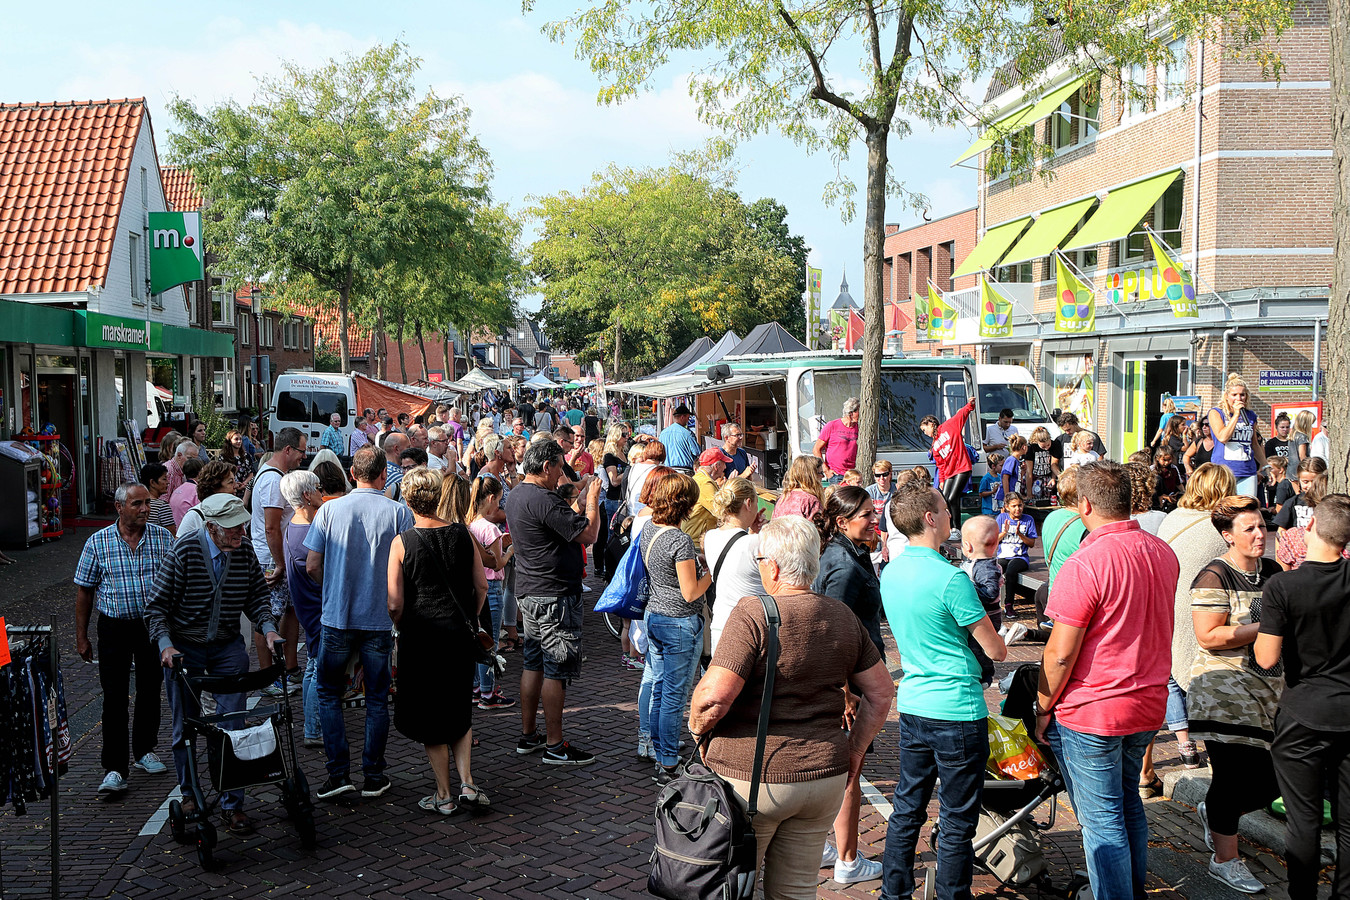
739 576
995 435
636 476
266 495
1082 459
1320 446
1151 520
435 462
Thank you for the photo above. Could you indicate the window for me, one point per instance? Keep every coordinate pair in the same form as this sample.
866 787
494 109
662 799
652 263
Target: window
291 330
1136 90
1174 72
193 304
1020 273
222 307
266 339
520 335
1023 399
1014 149
145 188
324 403
1164 218
223 386
292 407
907 395
245 326
308 334
1085 260
1076 120
137 269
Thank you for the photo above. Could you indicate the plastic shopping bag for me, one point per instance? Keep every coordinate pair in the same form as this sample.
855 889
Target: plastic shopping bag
626 593
1012 753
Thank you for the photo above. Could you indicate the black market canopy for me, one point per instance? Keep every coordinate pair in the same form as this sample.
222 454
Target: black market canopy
768 338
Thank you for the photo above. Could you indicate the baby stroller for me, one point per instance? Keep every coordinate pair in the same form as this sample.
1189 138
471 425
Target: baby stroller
1007 838
240 758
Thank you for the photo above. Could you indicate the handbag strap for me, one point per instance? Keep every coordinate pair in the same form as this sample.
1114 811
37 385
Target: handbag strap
646 554
1058 534
772 620
717 569
1185 529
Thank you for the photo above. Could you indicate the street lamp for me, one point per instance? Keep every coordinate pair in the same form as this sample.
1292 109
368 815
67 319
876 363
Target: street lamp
255 295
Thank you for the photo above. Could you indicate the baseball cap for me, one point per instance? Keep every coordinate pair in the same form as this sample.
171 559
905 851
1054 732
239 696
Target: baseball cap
715 454
224 510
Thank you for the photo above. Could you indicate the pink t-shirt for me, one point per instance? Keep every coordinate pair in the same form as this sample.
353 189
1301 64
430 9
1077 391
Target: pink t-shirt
183 499
841 446
1119 587
797 503
486 533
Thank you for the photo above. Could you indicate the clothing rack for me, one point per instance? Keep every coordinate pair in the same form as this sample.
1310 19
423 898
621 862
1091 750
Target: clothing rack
50 632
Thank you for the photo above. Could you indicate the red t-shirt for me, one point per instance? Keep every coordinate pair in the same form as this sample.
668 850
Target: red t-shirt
1119 586
949 447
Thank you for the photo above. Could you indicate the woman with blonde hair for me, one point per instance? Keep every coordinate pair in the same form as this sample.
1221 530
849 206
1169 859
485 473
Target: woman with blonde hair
436 609
1237 443
614 470
731 549
803 494
1304 420
454 504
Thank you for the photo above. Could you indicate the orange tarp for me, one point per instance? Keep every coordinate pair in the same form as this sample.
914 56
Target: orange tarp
373 395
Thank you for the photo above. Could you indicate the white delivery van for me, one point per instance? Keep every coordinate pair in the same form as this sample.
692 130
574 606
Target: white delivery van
157 408
1012 387
306 400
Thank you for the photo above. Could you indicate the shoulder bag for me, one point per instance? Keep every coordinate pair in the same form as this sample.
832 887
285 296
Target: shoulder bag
705 842
717 569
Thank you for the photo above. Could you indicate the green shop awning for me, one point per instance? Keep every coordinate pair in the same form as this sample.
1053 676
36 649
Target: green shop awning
36 323
991 247
1123 209
1028 115
137 335
1048 231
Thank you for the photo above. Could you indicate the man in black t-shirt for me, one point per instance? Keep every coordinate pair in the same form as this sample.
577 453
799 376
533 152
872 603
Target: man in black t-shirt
1062 446
1305 620
548 536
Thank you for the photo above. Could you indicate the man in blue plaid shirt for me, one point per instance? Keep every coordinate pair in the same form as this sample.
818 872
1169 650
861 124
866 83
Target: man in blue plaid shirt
116 572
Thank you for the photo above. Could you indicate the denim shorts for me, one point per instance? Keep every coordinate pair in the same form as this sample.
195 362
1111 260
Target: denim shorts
552 636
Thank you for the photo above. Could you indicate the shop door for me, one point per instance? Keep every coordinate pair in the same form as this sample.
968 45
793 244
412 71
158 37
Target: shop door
1131 438
1147 382
57 398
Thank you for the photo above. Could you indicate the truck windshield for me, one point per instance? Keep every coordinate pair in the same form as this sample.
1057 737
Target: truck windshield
907 395
1023 399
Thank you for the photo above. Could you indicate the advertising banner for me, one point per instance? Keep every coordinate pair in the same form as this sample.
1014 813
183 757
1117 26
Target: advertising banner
1178 286
941 316
175 249
1075 310
995 312
1074 386
812 306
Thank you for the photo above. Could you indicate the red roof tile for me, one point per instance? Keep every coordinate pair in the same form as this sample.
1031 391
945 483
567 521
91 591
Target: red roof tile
63 175
180 189
326 331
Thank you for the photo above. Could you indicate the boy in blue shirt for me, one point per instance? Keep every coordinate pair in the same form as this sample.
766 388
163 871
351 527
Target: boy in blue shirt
989 485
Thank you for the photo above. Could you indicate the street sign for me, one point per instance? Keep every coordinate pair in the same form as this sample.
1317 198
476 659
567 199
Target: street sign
1289 380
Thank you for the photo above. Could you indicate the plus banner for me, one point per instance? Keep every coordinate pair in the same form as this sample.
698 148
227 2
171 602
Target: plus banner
995 312
1179 287
175 249
941 316
1075 309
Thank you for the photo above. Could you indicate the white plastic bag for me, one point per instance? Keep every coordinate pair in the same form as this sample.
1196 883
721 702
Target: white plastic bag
253 743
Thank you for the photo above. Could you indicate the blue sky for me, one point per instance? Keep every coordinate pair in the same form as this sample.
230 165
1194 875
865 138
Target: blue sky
533 103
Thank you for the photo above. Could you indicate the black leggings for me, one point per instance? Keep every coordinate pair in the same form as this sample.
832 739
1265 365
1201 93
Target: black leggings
1244 781
1012 567
952 489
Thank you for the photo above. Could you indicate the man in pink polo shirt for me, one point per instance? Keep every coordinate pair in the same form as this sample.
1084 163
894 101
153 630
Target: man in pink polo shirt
1103 689
838 442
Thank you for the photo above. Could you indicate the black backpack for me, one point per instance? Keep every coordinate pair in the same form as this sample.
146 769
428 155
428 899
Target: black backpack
705 843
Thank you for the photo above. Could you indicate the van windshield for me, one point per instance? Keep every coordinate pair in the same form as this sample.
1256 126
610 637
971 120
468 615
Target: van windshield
1023 399
907 395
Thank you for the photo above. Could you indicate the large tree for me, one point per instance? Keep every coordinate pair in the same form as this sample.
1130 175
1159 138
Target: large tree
1336 398
830 74
333 178
642 262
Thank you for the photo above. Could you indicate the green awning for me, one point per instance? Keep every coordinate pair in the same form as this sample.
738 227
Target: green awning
196 342
991 247
1028 115
1123 209
1048 231
36 323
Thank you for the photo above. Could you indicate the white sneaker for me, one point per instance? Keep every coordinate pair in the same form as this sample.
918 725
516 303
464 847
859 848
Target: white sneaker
1204 820
1015 632
1236 875
150 764
113 784
861 869
829 856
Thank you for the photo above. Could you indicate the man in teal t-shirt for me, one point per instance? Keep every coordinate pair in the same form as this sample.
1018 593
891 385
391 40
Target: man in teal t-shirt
933 608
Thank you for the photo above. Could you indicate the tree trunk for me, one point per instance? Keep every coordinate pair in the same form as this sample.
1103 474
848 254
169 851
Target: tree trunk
343 346
616 346
446 357
1335 397
376 358
402 361
874 327
422 348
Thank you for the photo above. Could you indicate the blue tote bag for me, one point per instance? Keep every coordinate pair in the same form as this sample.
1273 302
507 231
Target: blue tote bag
626 593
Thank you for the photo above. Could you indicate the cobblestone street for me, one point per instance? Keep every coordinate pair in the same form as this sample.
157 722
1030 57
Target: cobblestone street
551 833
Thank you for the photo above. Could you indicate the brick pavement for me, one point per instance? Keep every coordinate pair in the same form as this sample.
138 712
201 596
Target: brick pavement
551 833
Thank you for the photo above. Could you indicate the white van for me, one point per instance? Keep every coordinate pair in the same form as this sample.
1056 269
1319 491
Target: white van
306 400
1012 387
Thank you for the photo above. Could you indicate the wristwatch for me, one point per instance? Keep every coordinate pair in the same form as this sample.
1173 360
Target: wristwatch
1036 707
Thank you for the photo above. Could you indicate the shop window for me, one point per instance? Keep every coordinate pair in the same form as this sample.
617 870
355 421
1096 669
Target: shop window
1164 218
1076 120
137 269
223 383
222 307
1172 74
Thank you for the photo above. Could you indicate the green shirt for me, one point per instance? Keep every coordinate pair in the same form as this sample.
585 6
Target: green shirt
930 603
1068 541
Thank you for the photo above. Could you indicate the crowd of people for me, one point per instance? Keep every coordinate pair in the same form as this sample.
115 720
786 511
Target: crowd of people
463 538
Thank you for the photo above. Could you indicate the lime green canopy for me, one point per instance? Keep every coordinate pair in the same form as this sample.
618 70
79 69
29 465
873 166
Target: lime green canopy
1027 115
988 250
1048 231
1122 210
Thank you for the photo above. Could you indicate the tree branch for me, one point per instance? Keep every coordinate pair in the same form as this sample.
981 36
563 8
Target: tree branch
821 91
874 42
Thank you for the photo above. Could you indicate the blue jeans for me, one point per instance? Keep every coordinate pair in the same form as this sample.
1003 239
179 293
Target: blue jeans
673 649
340 645
222 658
1177 717
486 680
309 686
955 753
1102 777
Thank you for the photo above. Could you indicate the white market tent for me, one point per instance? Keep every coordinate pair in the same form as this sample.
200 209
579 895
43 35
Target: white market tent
477 380
540 382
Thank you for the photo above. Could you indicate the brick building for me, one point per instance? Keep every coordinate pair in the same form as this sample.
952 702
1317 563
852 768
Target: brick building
914 255
1231 169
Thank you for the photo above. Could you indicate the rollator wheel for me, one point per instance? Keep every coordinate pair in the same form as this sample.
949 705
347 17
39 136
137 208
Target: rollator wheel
206 844
304 824
177 822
